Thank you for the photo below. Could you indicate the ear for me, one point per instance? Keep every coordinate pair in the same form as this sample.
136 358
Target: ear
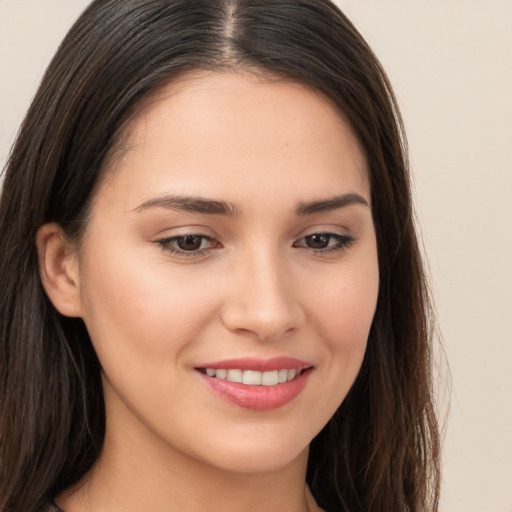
58 267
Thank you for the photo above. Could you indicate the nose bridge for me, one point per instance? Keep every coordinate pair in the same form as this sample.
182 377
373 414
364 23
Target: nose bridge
262 301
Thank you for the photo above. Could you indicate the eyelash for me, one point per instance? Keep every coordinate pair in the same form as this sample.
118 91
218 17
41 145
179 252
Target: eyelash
341 242
170 245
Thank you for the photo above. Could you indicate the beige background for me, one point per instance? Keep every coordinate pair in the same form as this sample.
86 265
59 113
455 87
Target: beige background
451 64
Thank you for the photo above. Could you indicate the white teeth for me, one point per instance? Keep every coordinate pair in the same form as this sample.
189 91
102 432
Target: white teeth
251 378
270 378
234 375
254 378
283 376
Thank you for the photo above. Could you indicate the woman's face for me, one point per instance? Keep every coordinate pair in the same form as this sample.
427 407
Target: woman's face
233 240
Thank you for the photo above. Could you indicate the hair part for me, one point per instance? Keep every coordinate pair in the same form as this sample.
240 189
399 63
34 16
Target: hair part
380 451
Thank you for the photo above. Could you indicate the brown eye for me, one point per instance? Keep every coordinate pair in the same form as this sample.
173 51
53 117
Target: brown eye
189 242
318 241
323 243
188 245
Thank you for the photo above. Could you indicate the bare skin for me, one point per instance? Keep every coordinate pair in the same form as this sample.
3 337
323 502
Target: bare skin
237 224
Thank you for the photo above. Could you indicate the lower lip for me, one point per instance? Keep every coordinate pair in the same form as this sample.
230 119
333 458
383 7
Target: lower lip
258 398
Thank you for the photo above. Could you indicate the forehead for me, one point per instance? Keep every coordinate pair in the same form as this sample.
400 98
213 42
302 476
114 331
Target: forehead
229 131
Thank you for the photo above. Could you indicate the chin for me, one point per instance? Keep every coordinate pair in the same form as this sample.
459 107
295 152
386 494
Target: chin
259 461
259 454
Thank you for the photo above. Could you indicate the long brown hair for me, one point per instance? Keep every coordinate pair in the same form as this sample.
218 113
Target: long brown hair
380 451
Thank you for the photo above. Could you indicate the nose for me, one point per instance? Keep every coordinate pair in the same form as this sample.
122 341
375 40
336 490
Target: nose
262 301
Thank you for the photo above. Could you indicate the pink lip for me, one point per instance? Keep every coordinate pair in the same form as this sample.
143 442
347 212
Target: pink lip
258 398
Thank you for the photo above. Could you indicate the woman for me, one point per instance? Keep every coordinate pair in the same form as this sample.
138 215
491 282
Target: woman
212 294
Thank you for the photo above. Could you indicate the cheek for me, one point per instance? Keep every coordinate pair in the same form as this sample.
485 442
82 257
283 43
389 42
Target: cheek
346 306
141 316
344 309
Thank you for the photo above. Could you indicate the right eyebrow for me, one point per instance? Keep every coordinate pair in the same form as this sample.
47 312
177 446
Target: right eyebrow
191 204
332 203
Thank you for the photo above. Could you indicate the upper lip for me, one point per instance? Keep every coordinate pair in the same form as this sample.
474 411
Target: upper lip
259 365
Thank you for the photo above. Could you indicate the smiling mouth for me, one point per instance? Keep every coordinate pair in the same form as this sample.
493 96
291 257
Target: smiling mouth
257 384
252 377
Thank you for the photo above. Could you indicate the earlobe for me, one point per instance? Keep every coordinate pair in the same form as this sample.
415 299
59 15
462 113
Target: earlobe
58 268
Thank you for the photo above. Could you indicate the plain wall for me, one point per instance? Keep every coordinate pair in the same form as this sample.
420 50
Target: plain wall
451 65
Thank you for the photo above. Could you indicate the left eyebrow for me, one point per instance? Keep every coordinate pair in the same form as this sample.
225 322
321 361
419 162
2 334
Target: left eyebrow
191 204
332 203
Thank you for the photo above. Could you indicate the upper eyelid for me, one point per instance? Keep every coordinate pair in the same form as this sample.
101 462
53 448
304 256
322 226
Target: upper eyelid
207 230
332 234
303 234
326 228
178 231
